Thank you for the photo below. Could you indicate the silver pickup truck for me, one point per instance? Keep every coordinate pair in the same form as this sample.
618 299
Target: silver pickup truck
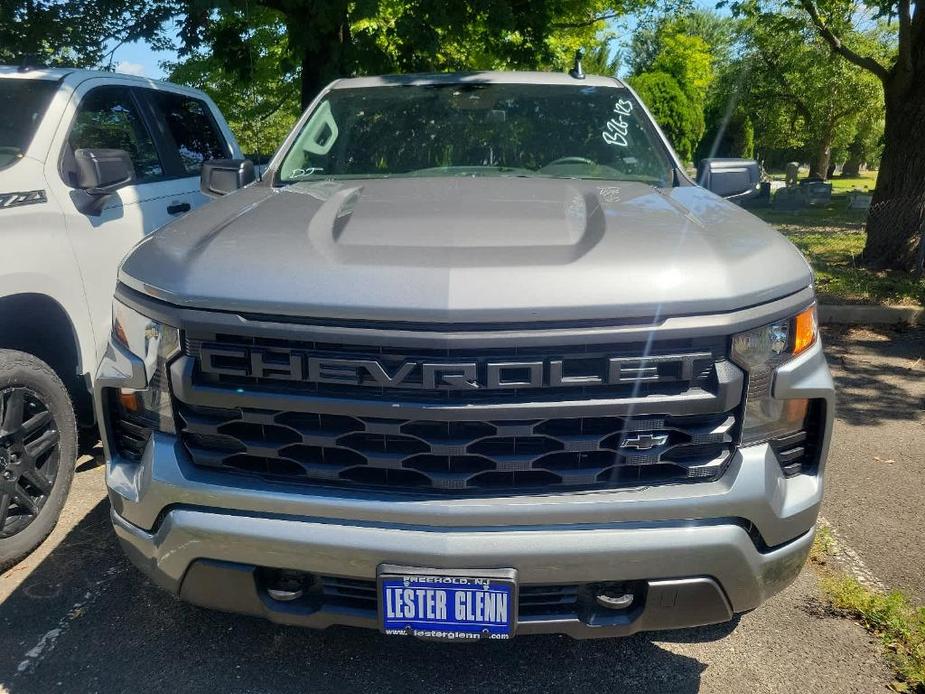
476 358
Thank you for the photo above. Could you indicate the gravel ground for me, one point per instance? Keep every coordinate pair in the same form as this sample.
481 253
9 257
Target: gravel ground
75 617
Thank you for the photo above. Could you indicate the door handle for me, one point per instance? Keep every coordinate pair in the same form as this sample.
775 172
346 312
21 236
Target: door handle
178 207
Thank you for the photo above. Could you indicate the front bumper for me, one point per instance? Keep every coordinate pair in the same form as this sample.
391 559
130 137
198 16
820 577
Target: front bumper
702 552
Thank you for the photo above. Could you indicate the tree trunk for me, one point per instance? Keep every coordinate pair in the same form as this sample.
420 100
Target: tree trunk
897 212
322 62
852 167
820 167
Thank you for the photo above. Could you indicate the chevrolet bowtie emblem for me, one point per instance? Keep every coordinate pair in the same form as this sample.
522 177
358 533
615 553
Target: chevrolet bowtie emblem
643 442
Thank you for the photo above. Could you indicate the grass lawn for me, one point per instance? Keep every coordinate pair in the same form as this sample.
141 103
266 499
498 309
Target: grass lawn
867 180
892 617
831 237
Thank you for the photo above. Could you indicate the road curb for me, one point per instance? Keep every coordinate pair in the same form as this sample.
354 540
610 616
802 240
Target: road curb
849 314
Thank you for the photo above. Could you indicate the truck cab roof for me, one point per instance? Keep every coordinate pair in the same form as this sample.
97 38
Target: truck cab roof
74 76
481 77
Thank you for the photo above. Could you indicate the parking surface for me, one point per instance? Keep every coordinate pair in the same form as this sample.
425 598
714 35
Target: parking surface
77 617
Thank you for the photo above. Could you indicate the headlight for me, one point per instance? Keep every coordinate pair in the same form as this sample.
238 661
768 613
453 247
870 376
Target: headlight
136 413
760 352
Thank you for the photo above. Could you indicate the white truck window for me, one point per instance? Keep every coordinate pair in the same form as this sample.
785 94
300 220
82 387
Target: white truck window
193 128
108 119
22 105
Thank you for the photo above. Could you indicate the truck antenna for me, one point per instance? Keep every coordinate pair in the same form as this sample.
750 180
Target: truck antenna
576 72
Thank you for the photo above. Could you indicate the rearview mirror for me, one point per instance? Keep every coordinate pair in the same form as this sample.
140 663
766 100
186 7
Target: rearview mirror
98 174
222 176
735 179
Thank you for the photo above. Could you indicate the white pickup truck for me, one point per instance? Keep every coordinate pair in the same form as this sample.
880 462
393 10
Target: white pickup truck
90 162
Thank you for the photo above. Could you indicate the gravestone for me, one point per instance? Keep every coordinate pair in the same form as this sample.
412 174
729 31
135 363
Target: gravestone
859 201
790 199
817 192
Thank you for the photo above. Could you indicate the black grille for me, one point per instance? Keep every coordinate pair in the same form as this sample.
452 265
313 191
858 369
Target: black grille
533 600
253 405
584 452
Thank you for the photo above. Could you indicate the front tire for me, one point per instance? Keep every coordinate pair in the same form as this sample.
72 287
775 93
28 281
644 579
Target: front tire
38 449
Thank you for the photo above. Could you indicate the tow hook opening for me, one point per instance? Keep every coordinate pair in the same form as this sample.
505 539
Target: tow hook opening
608 600
286 585
614 598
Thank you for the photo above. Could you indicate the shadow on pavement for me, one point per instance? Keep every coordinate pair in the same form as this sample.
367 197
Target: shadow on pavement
879 373
117 632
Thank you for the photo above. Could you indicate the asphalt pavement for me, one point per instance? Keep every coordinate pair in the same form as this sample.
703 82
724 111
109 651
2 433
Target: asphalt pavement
76 617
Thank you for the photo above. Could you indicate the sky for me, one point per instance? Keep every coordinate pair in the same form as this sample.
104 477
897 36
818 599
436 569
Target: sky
138 59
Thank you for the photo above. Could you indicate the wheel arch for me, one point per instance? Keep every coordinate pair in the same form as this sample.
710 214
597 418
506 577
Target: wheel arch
39 325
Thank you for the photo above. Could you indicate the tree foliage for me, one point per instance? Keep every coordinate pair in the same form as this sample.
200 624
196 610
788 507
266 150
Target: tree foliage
897 216
679 116
82 33
600 60
258 90
250 55
720 33
344 38
675 83
810 99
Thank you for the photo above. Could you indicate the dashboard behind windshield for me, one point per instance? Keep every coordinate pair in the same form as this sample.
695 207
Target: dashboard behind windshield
22 105
478 129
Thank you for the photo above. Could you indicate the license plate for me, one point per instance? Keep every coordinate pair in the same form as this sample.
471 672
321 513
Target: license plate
447 604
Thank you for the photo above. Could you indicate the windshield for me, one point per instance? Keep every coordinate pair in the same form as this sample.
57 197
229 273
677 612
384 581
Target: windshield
22 105
478 129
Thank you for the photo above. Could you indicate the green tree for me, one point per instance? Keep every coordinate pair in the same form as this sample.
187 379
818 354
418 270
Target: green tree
599 60
341 38
866 146
897 213
675 86
688 60
673 109
720 33
257 91
82 33
821 97
730 131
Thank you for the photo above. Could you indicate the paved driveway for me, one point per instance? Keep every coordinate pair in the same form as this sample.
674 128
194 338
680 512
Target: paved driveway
76 617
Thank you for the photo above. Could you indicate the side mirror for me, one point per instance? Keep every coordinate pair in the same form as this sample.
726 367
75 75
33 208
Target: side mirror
735 179
103 171
222 176
99 173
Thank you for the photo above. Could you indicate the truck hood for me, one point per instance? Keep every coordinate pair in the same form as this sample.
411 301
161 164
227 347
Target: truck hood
467 249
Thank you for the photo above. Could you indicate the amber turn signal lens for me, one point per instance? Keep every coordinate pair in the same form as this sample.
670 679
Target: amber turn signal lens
129 400
804 330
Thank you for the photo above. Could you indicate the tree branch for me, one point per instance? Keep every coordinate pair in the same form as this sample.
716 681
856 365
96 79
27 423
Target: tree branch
588 22
836 44
279 104
784 89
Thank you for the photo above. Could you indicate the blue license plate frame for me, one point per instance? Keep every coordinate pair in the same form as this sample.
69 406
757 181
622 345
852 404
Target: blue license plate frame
447 604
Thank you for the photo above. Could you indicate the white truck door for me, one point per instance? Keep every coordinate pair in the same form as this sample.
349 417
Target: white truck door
122 115
191 134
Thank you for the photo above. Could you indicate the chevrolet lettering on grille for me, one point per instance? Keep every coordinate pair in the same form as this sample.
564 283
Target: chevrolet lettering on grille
296 365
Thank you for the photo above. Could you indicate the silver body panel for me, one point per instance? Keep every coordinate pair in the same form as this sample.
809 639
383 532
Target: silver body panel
459 250
468 266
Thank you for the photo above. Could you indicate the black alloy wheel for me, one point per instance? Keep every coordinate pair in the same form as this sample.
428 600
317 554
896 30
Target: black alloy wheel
29 458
